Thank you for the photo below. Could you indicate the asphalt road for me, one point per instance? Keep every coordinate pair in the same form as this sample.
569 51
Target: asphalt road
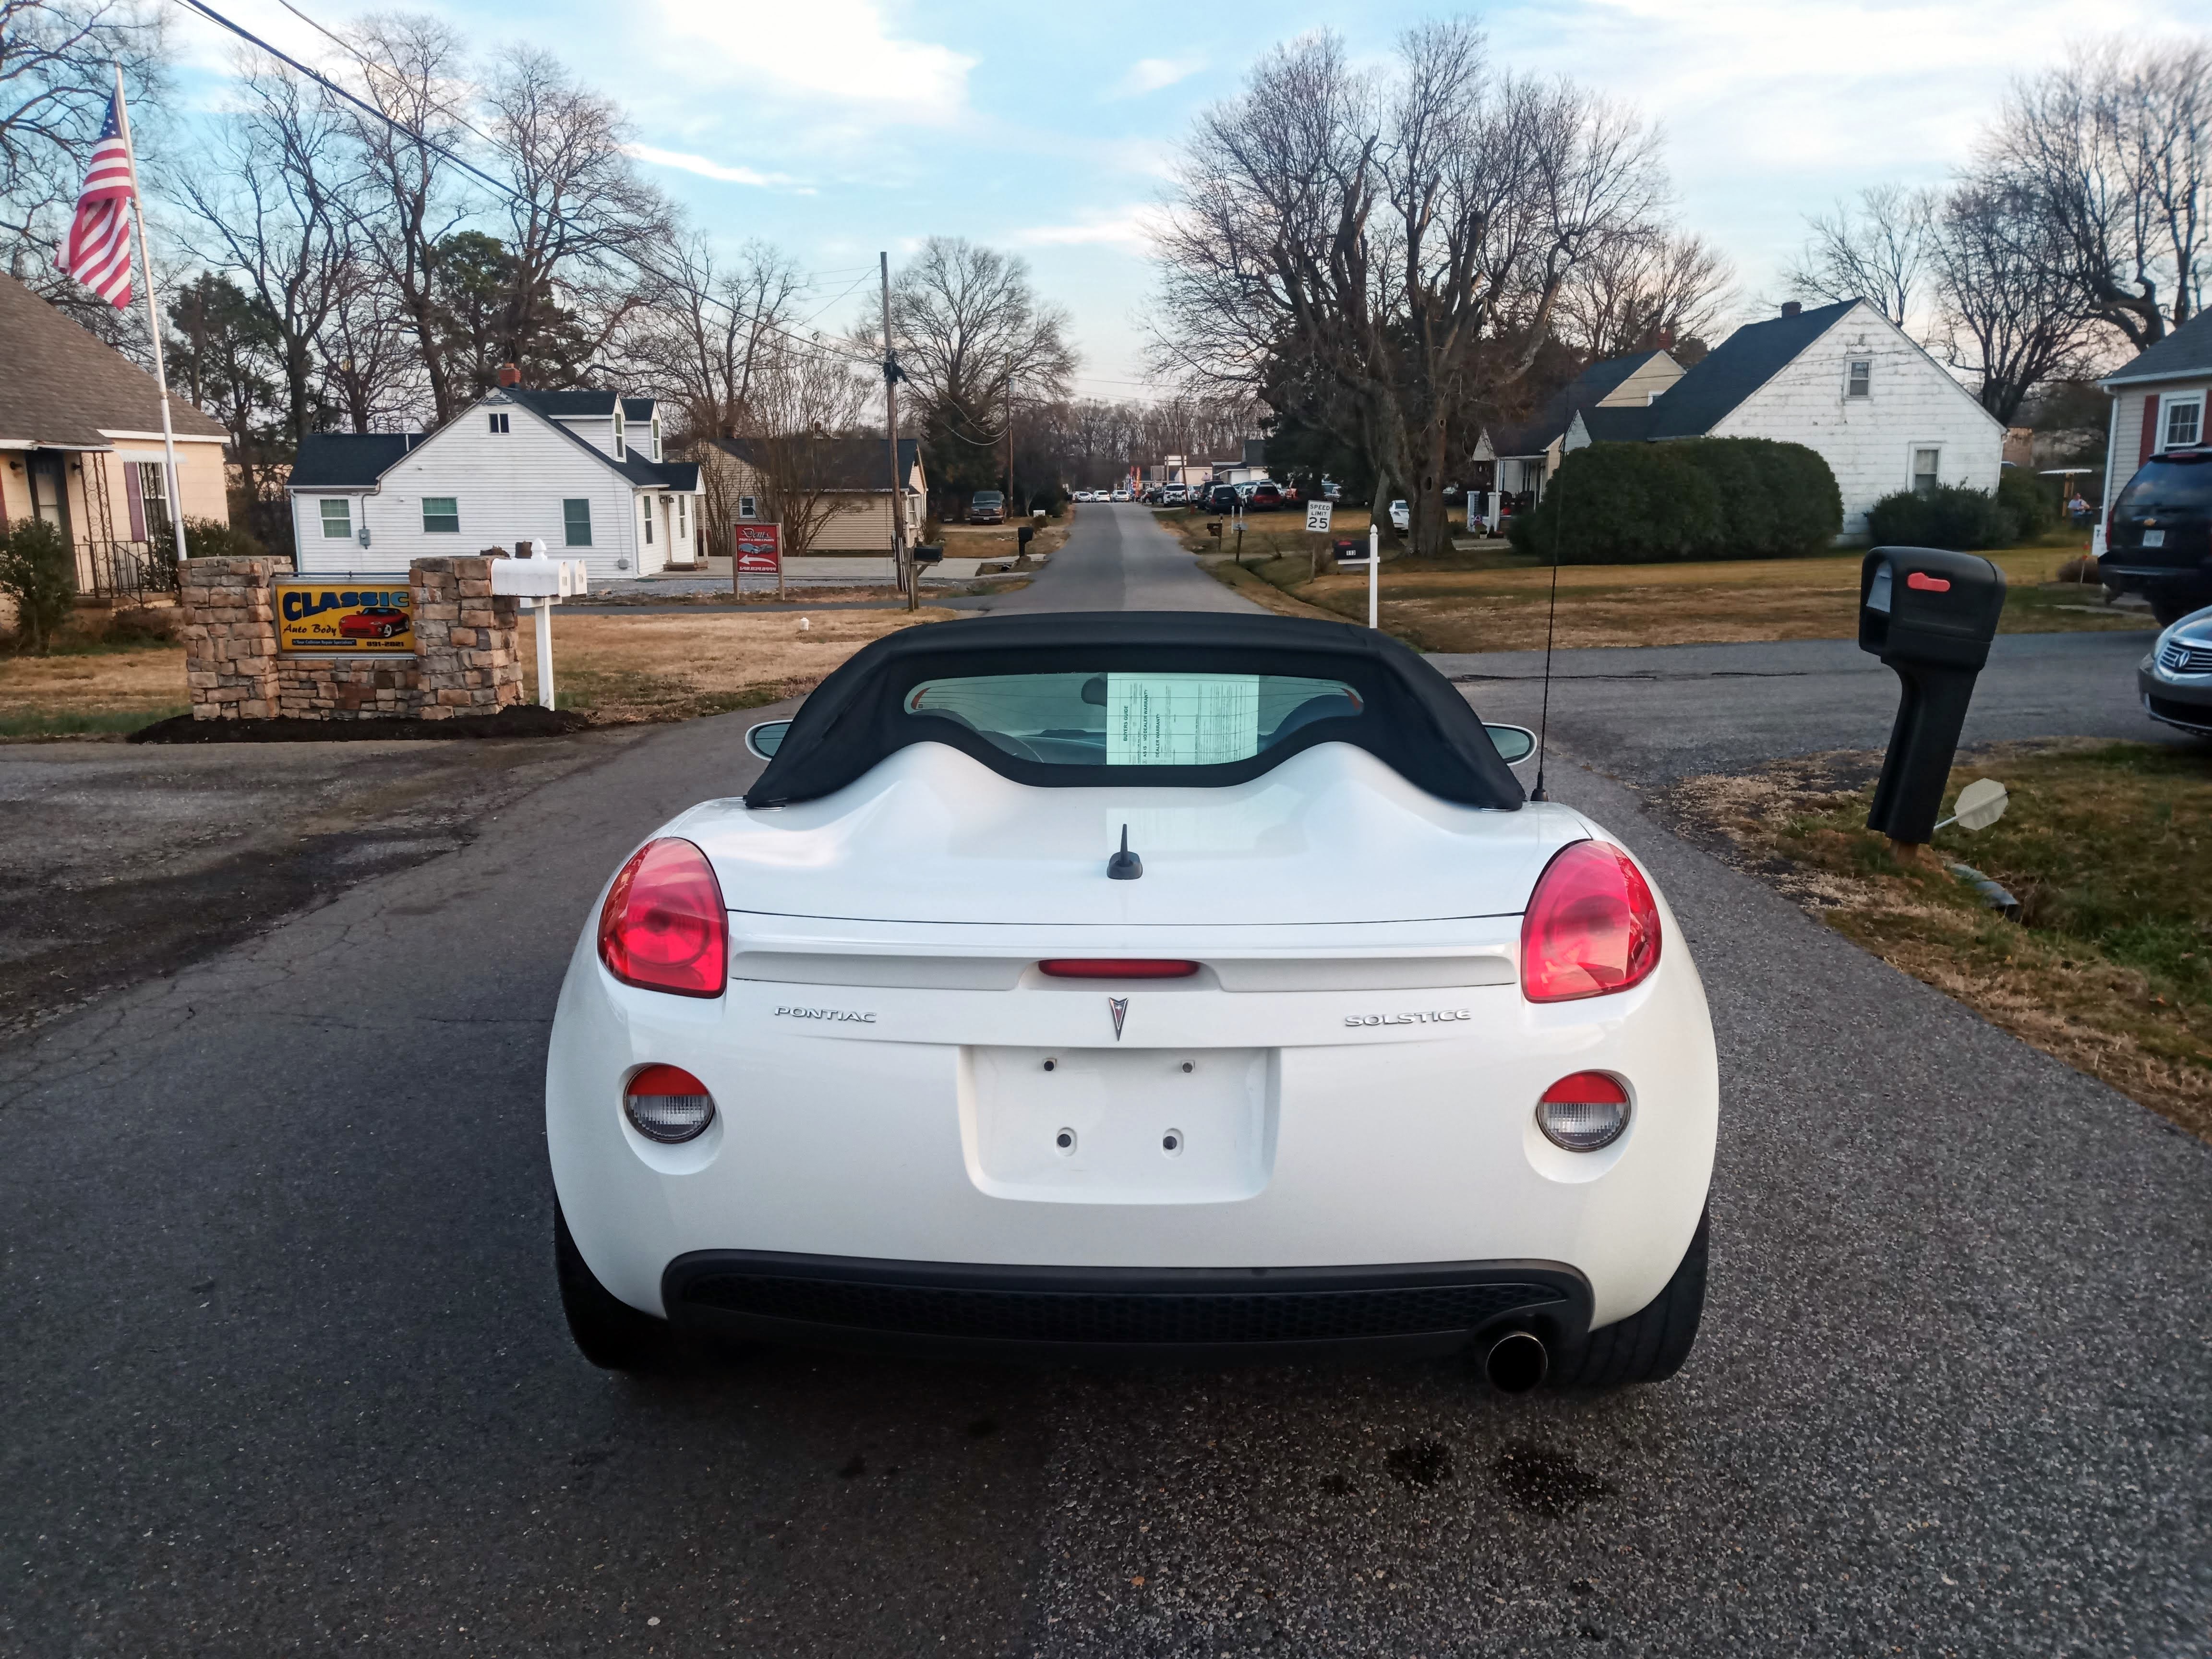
1116 558
287 1370
1660 713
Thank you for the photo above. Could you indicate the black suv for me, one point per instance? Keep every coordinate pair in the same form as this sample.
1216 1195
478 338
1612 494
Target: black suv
2158 543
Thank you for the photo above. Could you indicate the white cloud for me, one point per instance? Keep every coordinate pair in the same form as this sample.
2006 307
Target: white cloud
705 168
842 53
1149 75
1130 228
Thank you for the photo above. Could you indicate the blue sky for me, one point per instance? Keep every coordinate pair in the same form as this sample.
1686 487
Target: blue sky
837 127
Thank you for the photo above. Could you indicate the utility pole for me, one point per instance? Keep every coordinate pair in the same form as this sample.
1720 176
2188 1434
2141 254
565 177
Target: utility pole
899 568
1010 449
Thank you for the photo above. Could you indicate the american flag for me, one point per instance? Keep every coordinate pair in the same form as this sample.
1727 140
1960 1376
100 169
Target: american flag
98 251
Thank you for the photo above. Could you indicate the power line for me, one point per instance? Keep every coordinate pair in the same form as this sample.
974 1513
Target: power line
424 141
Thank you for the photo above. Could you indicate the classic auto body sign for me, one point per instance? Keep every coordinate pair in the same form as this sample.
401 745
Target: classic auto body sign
343 618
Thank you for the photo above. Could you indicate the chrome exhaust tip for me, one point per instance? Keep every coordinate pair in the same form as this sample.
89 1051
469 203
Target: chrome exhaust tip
1517 1362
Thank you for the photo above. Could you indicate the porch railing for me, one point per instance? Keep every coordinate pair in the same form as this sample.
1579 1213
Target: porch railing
127 569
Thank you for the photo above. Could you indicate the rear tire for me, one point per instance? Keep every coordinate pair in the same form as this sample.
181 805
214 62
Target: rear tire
1648 1346
610 1333
2169 611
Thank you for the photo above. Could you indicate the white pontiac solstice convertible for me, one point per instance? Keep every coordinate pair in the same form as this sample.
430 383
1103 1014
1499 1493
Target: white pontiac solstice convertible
1141 983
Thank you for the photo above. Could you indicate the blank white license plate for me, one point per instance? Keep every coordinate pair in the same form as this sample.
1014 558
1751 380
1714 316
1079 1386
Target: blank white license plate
1119 1126
2154 539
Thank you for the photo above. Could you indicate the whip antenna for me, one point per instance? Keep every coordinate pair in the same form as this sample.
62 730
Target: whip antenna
1551 616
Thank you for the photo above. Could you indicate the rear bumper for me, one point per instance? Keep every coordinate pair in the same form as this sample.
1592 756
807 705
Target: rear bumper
1209 1313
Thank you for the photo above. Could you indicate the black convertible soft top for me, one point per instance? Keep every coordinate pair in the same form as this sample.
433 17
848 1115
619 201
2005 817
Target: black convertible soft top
1414 721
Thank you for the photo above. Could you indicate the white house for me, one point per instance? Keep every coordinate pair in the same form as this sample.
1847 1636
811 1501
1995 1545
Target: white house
1529 451
580 470
2158 401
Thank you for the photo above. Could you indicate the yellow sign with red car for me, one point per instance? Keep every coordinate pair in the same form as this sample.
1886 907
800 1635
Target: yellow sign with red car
324 618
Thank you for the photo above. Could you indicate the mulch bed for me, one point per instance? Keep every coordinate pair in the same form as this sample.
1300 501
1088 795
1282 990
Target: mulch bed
522 720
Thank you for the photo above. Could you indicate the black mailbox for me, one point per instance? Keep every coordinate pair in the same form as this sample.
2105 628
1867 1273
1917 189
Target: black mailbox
1022 535
1929 615
928 552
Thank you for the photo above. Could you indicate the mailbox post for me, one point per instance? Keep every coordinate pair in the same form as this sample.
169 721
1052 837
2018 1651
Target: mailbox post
540 582
1929 615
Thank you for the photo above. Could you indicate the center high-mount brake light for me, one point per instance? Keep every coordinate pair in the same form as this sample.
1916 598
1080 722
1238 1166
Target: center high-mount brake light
1117 968
663 927
1592 927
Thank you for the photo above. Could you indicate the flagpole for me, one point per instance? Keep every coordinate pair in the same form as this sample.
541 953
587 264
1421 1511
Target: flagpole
153 324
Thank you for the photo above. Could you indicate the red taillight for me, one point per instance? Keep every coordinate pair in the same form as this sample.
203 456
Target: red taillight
1592 927
1117 968
663 926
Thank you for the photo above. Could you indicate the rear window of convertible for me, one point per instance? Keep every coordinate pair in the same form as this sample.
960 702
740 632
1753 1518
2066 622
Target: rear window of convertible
1085 719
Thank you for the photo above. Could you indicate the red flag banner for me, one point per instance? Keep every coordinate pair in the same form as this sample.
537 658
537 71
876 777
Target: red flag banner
98 250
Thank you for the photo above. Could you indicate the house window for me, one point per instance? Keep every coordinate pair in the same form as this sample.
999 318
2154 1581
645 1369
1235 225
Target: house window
576 522
913 513
337 518
748 507
499 422
620 453
442 515
1926 471
656 437
2184 421
683 519
646 501
1861 378
152 493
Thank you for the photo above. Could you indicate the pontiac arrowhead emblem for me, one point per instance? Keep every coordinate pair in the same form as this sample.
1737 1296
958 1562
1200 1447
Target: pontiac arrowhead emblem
1119 1007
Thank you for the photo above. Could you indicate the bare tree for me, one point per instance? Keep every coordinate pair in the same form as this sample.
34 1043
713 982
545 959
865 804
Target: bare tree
2009 315
370 369
1638 294
576 212
58 61
1876 250
1404 242
971 333
2115 150
276 205
798 433
709 330
415 73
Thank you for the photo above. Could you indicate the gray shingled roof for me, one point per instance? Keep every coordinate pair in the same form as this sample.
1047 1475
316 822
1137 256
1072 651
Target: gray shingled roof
1585 391
2186 352
848 462
348 461
61 386
555 405
1735 368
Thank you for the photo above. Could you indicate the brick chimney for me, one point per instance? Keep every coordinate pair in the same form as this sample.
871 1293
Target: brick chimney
1665 339
1790 307
510 377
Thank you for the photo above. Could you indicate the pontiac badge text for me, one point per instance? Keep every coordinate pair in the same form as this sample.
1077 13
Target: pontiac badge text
845 1016
1433 1017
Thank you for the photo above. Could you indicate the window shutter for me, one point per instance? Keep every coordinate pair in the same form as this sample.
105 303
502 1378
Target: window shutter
137 500
2150 428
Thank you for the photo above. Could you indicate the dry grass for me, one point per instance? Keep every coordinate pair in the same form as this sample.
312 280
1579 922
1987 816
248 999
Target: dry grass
2107 846
1497 601
673 667
90 687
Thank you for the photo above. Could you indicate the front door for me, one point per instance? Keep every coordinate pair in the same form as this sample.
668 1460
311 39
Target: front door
50 489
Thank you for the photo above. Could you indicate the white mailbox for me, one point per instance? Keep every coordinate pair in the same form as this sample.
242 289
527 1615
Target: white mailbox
542 582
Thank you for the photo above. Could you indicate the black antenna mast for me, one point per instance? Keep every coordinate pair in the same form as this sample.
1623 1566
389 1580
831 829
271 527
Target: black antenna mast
1551 616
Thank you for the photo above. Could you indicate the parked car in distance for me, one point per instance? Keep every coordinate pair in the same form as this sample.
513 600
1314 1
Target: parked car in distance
2158 543
1174 494
375 622
1221 498
987 507
1401 517
1264 497
1122 495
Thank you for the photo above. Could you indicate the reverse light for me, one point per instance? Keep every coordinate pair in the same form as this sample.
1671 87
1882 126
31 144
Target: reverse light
663 926
668 1104
1592 927
1584 1112
1117 968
